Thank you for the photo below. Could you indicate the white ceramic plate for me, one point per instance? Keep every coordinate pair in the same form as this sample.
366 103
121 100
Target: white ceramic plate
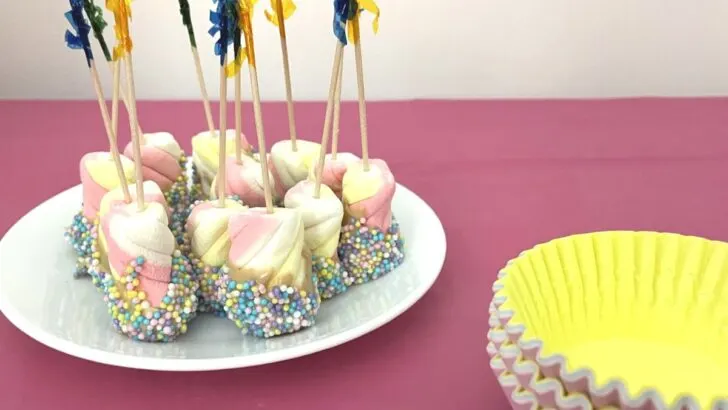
39 295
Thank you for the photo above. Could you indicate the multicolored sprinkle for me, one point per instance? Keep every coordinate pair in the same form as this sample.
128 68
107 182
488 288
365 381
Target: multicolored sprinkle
333 279
267 313
368 253
196 193
79 236
178 199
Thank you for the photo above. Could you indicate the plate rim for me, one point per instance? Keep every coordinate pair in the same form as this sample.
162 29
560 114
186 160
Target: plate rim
114 359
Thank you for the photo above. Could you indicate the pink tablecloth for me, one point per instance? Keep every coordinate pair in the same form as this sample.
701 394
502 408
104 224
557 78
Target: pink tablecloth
503 176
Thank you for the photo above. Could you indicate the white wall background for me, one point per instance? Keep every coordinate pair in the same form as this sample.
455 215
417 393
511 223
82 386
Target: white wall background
425 49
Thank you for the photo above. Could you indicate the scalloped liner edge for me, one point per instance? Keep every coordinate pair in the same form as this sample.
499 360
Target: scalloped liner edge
648 398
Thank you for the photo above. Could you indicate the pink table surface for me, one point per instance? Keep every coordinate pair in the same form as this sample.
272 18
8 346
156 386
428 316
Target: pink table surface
502 176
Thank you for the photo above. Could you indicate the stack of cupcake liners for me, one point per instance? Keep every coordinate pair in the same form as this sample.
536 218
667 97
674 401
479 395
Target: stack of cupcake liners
572 320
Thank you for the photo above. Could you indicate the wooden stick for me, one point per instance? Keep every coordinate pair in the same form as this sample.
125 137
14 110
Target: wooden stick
337 111
362 99
327 118
238 120
135 136
222 137
125 97
261 137
203 91
287 74
110 131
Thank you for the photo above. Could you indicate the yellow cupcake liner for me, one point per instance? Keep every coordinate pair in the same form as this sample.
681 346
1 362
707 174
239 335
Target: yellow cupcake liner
523 381
635 320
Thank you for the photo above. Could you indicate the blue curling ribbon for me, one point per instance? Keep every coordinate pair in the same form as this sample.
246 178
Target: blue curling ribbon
224 21
80 39
342 13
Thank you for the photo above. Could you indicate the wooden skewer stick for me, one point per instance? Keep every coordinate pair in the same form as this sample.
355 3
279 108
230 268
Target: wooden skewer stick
222 137
362 100
135 136
287 75
327 118
268 194
238 119
110 130
124 96
203 91
337 111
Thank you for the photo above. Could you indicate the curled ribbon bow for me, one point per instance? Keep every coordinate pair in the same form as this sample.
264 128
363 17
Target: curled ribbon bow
98 24
232 69
184 10
356 7
122 14
80 39
246 16
224 21
287 6
341 16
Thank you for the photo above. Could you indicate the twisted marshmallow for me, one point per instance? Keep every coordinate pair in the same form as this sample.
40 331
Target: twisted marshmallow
206 155
99 176
268 248
321 216
334 170
368 194
130 233
291 167
207 227
115 197
160 158
244 180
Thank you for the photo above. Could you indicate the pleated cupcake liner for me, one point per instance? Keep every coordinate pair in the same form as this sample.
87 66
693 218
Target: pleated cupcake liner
525 384
520 363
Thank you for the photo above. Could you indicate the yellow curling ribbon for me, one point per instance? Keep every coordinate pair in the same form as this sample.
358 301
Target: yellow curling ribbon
246 17
288 9
370 6
122 15
233 68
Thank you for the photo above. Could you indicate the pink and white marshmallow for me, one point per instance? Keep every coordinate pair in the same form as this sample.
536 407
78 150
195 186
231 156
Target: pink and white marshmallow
130 233
334 170
269 248
245 180
160 158
98 176
368 194
321 217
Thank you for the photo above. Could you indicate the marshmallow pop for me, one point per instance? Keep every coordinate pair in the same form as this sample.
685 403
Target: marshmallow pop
371 244
322 211
138 266
208 220
269 289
